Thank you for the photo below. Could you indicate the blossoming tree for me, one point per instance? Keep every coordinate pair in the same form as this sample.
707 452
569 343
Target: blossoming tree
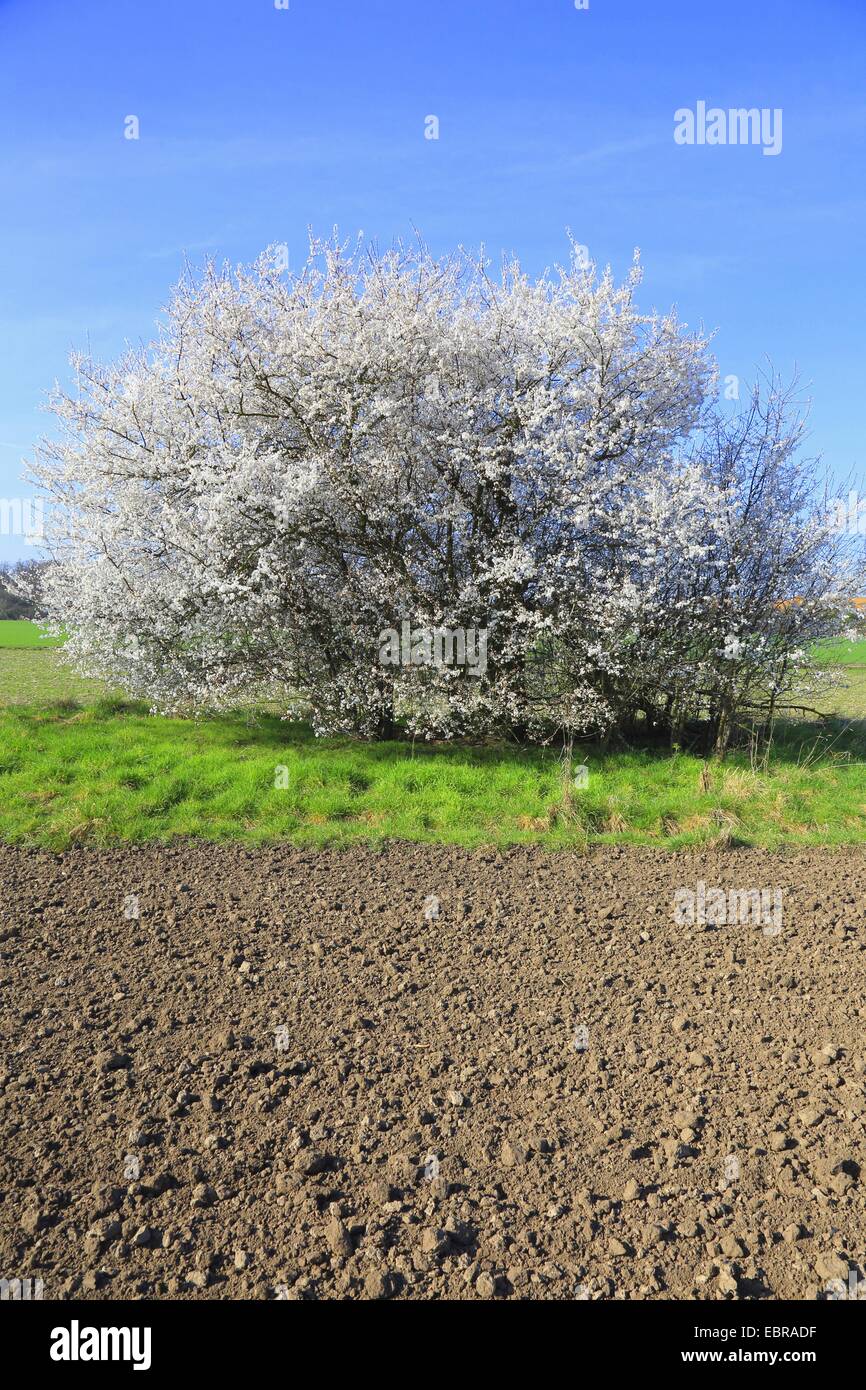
301 461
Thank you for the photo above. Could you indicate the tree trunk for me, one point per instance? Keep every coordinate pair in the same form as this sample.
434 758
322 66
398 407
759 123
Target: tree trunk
386 729
723 730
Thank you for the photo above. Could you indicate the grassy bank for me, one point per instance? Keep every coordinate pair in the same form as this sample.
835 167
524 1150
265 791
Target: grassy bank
109 771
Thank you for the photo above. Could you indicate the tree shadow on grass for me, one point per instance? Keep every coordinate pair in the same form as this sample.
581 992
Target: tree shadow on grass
819 742
796 742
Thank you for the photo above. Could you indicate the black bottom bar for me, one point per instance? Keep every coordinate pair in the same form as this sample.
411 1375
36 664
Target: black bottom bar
221 1338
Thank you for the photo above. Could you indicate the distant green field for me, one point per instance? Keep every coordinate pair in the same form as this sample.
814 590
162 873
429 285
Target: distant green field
14 634
849 701
842 653
31 673
34 676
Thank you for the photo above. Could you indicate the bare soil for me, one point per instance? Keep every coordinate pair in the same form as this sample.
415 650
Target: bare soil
427 1073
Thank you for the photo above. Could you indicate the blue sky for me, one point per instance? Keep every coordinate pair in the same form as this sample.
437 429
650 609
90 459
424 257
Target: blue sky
257 123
